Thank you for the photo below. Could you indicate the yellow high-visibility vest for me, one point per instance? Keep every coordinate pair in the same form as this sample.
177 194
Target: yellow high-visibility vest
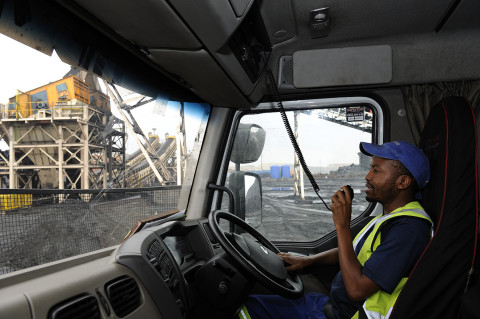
380 304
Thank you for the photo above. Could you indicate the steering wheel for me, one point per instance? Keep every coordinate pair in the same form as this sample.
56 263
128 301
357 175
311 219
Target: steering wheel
259 259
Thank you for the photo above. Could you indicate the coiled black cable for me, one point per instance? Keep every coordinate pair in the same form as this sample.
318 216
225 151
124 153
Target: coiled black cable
276 95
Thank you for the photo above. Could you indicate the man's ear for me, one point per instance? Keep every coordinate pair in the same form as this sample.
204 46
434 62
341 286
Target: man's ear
404 181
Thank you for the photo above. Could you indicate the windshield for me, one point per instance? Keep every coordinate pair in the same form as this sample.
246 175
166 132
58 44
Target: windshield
83 160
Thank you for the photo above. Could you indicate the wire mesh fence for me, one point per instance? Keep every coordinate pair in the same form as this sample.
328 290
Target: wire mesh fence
40 226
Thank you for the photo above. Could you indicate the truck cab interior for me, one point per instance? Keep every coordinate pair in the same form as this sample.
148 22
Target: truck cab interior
263 75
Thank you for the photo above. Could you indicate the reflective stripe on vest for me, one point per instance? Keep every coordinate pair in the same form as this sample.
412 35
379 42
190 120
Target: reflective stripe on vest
380 304
243 313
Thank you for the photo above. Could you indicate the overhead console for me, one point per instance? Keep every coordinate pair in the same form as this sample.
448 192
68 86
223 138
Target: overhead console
238 36
250 45
236 47
226 27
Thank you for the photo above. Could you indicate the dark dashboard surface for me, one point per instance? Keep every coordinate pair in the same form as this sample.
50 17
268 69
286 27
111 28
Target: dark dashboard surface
173 259
180 248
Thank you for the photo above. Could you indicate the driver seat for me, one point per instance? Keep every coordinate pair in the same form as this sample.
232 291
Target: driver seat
441 275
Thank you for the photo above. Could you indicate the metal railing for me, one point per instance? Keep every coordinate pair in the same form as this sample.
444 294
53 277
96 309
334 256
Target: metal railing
40 226
62 110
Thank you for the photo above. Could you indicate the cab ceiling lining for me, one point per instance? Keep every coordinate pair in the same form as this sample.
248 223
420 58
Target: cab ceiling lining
203 74
453 5
419 54
464 17
350 19
421 58
427 59
153 24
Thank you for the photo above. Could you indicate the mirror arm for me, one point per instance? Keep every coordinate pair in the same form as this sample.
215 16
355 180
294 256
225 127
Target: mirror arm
231 203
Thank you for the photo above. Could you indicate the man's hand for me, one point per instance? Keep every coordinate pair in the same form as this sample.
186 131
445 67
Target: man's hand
341 207
328 257
296 261
358 286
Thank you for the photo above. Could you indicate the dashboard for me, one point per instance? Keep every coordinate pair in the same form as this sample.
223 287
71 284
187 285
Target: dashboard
175 270
184 270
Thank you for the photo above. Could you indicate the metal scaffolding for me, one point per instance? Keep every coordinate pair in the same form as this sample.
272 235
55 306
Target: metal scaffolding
64 147
154 162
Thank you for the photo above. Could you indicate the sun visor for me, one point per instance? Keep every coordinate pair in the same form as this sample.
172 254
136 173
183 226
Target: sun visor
342 66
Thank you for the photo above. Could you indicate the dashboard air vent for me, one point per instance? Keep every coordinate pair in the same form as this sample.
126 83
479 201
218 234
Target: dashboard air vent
124 295
79 307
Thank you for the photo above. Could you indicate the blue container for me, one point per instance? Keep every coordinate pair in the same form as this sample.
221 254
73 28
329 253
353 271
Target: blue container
275 172
286 171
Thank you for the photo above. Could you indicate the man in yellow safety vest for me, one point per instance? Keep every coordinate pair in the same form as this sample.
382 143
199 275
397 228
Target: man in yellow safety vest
375 268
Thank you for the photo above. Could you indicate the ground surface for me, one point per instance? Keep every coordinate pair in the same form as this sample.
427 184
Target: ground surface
288 217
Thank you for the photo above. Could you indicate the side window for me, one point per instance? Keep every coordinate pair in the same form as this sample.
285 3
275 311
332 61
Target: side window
271 190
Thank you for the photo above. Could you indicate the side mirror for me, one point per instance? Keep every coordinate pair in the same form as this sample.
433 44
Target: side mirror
253 199
246 187
248 145
247 192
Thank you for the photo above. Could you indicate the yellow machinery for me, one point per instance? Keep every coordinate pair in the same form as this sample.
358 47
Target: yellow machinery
45 98
13 201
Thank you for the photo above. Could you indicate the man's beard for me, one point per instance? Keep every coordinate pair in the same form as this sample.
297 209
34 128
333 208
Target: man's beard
389 192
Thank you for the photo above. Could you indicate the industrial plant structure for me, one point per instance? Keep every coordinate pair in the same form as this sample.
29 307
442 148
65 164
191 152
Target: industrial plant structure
57 136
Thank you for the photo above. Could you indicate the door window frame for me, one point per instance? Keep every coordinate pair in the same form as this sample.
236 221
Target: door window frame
378 134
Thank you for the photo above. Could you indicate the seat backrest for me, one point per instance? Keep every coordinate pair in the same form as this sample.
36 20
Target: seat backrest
437 282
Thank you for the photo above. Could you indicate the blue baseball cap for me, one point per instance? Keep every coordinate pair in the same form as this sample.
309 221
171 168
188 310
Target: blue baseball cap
408 154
